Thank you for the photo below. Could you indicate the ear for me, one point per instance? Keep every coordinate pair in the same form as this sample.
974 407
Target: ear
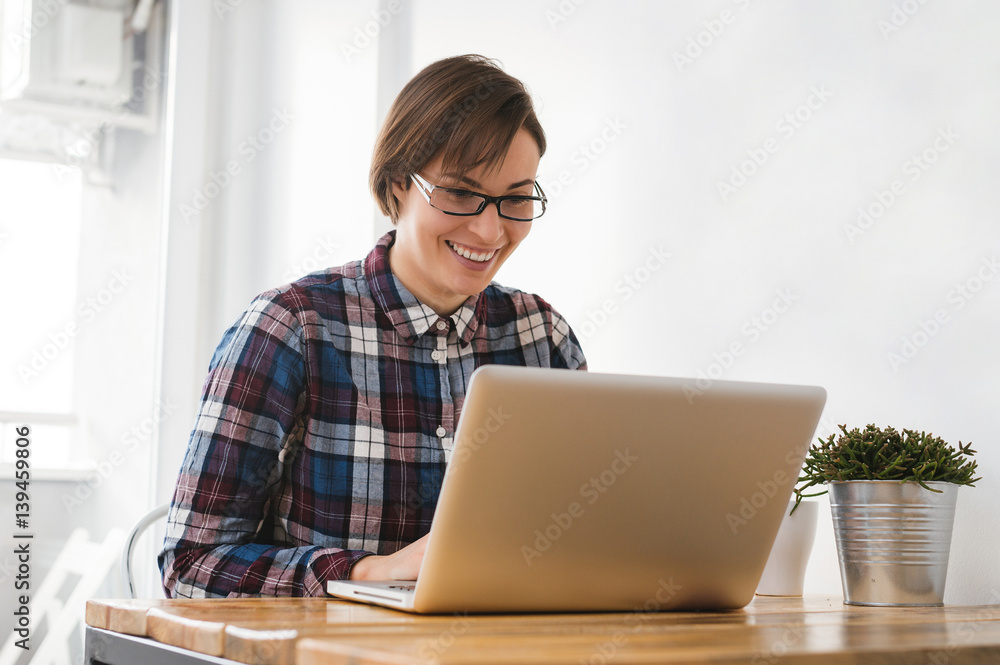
398 189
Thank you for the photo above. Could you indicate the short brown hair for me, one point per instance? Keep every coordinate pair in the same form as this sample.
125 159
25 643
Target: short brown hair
465 109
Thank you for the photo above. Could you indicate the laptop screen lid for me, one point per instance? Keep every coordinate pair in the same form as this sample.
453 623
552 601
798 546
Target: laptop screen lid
579 491
570 491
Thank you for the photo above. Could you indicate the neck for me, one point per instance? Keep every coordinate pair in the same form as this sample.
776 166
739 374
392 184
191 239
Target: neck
443 304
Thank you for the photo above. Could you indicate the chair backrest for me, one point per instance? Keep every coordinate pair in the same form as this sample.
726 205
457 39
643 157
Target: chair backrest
83 563
128 577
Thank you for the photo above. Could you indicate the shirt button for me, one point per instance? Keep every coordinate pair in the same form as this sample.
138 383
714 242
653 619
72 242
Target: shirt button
441 325
437 355
441 432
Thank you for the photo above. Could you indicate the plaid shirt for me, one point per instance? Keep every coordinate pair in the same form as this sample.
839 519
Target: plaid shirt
326 422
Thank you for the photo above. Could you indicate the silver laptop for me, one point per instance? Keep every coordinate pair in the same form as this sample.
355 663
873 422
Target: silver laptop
577 491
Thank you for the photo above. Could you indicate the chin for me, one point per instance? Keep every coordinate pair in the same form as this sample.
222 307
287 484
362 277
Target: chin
467 287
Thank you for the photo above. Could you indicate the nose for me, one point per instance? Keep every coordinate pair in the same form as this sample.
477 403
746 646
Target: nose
488 224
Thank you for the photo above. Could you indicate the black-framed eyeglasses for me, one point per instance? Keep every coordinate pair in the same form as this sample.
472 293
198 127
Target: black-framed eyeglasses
465 203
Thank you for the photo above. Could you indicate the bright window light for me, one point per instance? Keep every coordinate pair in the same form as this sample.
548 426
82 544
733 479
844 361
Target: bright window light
40 217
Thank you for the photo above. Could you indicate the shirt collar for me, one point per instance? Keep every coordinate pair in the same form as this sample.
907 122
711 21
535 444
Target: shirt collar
410 317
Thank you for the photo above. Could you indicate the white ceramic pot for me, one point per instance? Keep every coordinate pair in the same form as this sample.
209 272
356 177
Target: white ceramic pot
785 572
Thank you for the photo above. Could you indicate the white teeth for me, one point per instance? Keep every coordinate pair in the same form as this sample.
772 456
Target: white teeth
463 251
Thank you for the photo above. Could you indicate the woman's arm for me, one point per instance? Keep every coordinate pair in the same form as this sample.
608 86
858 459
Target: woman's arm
567 352
403 564
218 530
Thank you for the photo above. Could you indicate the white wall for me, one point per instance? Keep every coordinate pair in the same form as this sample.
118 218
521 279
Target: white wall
607 77
271 121
879 102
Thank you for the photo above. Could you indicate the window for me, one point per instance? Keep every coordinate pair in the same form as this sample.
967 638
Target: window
40 223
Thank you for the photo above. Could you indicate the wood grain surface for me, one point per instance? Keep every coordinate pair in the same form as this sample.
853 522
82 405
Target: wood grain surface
309 631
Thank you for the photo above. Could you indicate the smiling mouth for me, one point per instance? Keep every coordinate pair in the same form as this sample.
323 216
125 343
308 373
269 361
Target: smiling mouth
461 250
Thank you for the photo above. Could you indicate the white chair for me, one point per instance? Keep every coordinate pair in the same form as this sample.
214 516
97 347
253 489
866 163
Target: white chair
89 562
127 569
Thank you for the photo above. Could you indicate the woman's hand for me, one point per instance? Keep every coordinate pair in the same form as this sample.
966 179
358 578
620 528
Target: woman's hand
401 565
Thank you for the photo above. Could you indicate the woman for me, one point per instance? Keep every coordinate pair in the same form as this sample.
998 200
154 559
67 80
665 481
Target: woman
330 407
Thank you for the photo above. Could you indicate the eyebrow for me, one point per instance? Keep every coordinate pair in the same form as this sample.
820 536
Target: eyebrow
520 183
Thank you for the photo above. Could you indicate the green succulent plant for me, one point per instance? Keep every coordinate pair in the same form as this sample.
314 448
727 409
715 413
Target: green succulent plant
885 454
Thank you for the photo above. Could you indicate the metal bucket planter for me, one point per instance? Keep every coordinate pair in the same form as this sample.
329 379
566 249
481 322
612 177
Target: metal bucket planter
893 540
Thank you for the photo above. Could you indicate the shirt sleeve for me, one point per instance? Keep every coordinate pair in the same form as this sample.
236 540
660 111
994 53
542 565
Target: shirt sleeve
248 423
566 347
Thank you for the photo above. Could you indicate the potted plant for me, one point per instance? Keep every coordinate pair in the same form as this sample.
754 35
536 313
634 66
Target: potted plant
892 495
785 571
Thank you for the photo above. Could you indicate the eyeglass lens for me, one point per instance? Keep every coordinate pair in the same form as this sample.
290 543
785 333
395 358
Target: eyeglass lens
464 203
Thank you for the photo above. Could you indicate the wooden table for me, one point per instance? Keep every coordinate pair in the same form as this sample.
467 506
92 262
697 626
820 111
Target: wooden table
790 631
